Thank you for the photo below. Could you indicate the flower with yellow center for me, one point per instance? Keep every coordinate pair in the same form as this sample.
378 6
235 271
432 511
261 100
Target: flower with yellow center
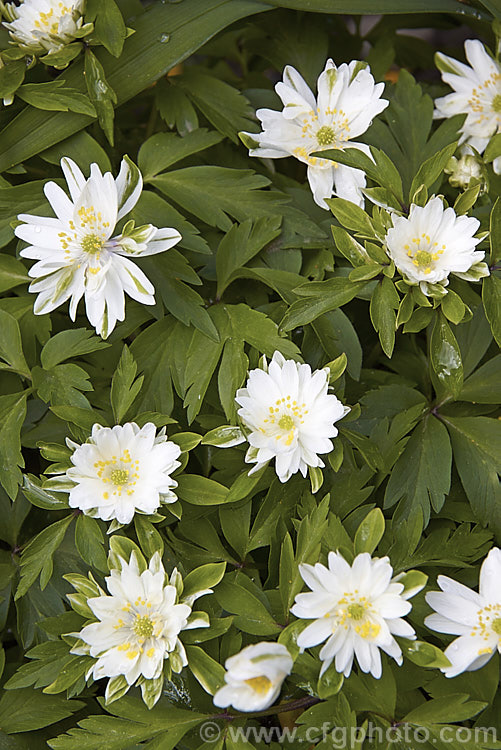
477 93
347 102
78 256
432 242
289 415
356 610
122 470
254 677
138 624
42 26
474 617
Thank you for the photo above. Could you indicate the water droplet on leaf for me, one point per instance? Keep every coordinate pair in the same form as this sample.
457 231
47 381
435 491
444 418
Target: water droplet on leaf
163 38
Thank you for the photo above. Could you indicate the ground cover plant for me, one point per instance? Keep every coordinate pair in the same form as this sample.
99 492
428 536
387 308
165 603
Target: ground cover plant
249 389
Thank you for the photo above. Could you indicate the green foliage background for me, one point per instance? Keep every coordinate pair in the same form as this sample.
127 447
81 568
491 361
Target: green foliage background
259 268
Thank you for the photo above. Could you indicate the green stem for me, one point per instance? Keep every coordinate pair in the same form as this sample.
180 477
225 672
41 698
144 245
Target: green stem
305 702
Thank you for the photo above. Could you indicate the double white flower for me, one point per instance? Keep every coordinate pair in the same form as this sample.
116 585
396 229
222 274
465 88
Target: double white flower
475 618
356 609
77 254
41 26
348 100
477 93
121 471
254 677
289 414
138 625
432 242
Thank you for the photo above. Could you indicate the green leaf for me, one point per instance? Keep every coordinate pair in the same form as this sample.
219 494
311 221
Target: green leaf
11 349
215 193
12 414
495 231
11 77
26 710
164 149
53 96
208 672
132 722
433 168
476 442
223 105
330 683
242 243
101 93
352 217
148 536
425 654
89 542
124 387
444 710
321 297
422 474
251 614
82 148
370 532
491 298
198 490
62 385
445 358
109 27
12 272
484 385
67 344
37 556
384 302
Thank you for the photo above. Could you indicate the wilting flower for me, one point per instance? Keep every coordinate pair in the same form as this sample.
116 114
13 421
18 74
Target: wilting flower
121 471
254 677
356 609
348 100
41 26
138 625
433 242
76 252
475 618
477 93
290 416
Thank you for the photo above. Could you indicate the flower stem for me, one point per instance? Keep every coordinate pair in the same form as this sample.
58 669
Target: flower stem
281 708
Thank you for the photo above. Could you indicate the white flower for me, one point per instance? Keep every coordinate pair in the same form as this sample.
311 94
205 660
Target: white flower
138 624
433 242
290 416
477 93
122 470
465 171
348 100
76 252
44 25
254 677
475 618
357 609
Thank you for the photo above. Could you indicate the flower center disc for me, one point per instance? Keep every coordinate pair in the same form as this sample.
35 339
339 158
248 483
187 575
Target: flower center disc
119 476
143 626
356 611
496 103
286 422
325 135
260 684
92 243
496 625
423 258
